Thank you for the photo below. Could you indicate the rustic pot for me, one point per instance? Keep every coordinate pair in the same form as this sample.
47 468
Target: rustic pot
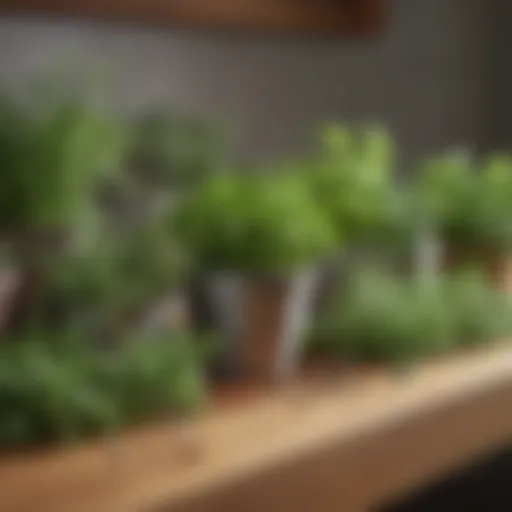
262 321
497 266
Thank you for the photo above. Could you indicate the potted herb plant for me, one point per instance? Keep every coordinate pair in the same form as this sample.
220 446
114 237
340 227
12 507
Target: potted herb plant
128 281
79 356
379 318
57 387
480 312
258 238
172 152
55 152
382 318
471 208
353 181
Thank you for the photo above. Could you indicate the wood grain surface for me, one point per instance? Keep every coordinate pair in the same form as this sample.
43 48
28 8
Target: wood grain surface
324 444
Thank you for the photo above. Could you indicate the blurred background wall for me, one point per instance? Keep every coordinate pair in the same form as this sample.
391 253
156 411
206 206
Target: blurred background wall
437 77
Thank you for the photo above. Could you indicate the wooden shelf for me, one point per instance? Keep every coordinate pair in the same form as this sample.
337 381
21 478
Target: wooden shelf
322 444
347 17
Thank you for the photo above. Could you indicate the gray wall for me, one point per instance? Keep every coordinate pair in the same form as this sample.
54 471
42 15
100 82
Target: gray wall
431 77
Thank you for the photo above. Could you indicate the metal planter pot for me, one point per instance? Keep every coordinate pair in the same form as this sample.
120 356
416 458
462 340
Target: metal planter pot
262 321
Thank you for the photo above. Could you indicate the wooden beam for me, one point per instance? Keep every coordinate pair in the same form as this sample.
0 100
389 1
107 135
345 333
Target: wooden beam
347 17
328 445
372 469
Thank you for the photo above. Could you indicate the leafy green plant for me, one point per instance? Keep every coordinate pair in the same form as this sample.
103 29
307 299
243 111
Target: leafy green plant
79 360
58 154
174 150
254 223
54 388
353 179
150 376
480 312
472 206
53 155
382 318
111 288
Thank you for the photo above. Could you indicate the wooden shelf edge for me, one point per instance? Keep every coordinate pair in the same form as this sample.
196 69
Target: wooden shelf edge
364 439
360 18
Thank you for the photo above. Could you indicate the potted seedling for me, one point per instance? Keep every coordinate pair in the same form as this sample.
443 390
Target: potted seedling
259 238
352 180
472 210
480 312
55 152
172 152
63 150
80 354
129 281
380 318
58 387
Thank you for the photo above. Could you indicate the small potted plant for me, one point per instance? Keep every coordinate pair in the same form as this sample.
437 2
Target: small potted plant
353 181
382 318
58 152
480 312
471 209
79 356
379 318
58 387
54 155
127 282
171 153
258 237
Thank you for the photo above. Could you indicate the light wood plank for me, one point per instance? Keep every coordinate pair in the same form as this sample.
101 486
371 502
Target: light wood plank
326 445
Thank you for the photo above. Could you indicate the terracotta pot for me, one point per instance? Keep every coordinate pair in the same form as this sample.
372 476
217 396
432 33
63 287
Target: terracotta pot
262 322
496 266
